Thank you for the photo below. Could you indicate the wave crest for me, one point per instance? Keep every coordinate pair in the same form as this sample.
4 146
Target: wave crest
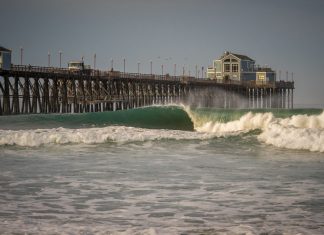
246 123
304 132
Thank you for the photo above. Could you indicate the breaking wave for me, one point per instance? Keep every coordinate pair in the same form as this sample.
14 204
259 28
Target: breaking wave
296 132
293 129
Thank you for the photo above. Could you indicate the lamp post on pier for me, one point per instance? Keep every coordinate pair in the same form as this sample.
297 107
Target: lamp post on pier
21 55
138 67
124 61
94 61
202 72
49 59
60 53
151 67
175 69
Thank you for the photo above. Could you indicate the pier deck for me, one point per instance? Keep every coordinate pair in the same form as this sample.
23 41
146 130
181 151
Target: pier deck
34 89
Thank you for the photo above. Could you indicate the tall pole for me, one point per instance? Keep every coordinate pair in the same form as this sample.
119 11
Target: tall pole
138 67
124 60
21 55
175 69
162 69
183 71
196 71
112 65
202 72
60 52
49 59
151 67
94 61
279 75
286 76
292 76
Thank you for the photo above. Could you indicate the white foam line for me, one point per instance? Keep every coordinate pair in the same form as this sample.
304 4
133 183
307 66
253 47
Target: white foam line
122 134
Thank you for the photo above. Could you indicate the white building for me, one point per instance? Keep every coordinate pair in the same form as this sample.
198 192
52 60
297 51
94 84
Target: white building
5 58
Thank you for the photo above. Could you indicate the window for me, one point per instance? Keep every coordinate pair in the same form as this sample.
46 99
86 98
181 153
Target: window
234 68
218 66
261 77
227 68
234 60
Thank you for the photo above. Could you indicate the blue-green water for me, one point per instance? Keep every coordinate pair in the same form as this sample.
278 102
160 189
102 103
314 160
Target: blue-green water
163 170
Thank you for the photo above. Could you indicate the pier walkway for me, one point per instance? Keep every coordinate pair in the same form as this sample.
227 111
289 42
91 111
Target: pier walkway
33 89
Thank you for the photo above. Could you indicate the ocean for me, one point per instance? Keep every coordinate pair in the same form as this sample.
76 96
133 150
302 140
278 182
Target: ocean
163 170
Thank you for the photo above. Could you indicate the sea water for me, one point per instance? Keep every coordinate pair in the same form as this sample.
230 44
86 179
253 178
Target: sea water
163 170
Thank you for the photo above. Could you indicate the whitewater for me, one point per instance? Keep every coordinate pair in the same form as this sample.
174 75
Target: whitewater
295 132
163 170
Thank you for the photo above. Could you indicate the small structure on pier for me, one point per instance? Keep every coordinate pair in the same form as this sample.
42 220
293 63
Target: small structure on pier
236 67
78 66
5 58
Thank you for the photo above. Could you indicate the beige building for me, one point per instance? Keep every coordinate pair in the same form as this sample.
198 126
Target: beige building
238 68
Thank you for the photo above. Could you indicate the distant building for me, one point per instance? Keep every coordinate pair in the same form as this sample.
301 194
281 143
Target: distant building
5 58
237 67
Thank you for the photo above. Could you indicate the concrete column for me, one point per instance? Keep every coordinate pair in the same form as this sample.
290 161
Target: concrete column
292 98
261 98
270 98
253 101
288 98
257 98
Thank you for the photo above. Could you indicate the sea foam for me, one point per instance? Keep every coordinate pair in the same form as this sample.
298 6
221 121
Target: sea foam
295 132
120 134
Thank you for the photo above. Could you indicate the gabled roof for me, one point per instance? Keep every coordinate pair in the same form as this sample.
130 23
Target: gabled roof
241 57
4 49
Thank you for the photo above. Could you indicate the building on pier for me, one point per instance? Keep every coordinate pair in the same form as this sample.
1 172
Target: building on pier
235 67
5 58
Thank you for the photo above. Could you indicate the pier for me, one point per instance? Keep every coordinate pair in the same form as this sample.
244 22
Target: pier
26 89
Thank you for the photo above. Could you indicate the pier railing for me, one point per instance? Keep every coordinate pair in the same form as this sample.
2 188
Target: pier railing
167 77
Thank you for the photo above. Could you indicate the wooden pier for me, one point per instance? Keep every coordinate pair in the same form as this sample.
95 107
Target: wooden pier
32 89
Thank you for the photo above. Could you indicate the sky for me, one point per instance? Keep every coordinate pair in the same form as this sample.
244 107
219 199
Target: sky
286 35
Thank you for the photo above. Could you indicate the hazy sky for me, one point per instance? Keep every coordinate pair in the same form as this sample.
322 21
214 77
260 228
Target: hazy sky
284 34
